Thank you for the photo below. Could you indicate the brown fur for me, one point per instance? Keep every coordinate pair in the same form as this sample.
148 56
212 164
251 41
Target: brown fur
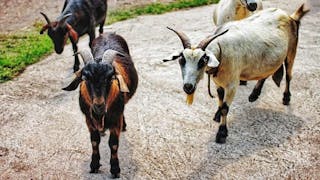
72 33
241 12
113 93
119 67
84 93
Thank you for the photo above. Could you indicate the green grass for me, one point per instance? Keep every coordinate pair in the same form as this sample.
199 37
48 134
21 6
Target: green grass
20 50
155 8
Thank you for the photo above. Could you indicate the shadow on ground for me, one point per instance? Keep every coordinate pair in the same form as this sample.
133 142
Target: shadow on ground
256 130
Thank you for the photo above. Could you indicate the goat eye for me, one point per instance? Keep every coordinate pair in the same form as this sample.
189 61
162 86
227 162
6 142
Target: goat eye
201 63
182 61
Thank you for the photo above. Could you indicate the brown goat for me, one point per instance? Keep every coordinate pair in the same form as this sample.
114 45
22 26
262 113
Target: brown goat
78 17
107 82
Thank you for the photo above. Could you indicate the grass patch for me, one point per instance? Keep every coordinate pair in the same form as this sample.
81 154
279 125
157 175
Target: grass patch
155 8
20 50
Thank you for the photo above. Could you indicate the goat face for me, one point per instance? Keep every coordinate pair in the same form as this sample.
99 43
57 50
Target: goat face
251 5
59 31
192 63
59 37
193 60
98 77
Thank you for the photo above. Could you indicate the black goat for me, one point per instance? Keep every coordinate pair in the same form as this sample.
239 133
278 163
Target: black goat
107 82
77 18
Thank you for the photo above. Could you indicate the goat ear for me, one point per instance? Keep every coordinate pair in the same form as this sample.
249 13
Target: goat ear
173 56
118 70
72 33
212 61
75 83
122 84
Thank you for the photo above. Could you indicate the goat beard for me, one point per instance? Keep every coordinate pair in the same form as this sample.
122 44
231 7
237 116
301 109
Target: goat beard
189 100
97 121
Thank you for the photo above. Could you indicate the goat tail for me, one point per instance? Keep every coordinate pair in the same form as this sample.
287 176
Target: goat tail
278 75
300 12
209 87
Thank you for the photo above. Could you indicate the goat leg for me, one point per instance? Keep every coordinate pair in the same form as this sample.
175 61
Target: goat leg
217 116
124 125
114 145
76 58
256 91
95 158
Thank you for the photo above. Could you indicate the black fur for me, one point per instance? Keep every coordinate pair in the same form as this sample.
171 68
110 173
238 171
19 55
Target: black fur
95 158
85 16
98 77
278 75
222 134
256 91
217 116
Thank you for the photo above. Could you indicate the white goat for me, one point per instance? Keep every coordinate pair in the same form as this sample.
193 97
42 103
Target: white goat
252 49
231 10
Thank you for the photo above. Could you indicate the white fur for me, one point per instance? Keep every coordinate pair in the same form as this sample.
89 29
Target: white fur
253 48
213 61
189 75
225 11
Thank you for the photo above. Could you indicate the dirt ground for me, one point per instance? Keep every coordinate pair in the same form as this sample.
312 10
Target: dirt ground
44 136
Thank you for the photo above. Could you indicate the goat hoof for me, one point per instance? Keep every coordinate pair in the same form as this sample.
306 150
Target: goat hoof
221 140
286 102
95 167
253 97
124 129
222 134
286 98
115 171
117 175
243 83
95 170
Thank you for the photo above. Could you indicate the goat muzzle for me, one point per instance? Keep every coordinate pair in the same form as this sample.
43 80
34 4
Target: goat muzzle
97 118
189 88
252 6
99 109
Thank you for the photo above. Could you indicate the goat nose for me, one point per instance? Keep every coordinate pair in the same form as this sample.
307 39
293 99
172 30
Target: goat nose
188 88
58 50
252 6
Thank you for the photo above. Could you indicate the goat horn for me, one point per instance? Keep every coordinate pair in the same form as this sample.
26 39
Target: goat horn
183 37
109 54
204 43
64 18
86 56
46 17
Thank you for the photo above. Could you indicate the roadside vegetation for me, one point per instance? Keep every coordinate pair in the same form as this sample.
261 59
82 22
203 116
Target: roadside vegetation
19 50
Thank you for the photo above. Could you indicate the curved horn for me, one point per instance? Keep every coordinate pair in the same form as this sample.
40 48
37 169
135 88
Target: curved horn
109 54
76 81
46 17
86 56
183 37
64 18
204 43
